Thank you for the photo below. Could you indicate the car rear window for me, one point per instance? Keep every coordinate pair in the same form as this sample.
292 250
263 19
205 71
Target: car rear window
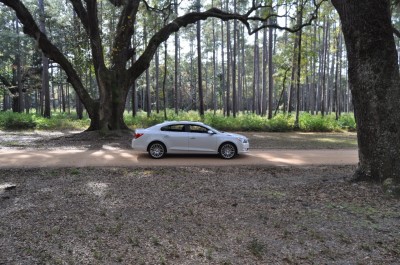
174 128
198 129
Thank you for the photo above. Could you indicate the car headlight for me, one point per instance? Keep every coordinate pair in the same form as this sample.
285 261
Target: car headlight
243 140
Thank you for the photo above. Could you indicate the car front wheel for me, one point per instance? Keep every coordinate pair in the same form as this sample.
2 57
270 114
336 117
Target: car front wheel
227 151
157 150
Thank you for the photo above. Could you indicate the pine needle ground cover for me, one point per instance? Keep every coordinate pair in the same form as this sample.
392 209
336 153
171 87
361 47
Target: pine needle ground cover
191 215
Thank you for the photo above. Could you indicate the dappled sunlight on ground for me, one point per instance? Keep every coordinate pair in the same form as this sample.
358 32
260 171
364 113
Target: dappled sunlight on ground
292 160
85 158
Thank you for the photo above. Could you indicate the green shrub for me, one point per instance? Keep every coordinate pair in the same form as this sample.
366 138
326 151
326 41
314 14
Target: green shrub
280 123
242 122
248 121
61 121
347 122
252 122
317 123
16 121
58 121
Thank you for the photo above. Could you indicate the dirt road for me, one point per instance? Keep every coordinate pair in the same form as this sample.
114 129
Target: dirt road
129 158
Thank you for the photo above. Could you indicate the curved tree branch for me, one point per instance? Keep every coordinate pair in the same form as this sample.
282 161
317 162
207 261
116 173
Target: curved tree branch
163 34
158 10
49 49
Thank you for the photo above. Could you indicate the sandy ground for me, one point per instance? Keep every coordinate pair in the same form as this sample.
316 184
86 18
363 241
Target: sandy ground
83 199
74 149
129 158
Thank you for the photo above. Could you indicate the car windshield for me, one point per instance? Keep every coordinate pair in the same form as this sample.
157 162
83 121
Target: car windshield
215 130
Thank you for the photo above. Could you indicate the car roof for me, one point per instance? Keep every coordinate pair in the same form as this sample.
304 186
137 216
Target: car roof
180 122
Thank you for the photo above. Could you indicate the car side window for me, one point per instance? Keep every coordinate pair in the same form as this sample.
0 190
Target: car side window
174 128
198 129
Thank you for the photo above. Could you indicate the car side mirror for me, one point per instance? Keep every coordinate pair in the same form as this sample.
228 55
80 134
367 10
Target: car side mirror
210 132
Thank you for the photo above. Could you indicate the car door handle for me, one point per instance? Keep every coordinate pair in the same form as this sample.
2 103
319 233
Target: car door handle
192 137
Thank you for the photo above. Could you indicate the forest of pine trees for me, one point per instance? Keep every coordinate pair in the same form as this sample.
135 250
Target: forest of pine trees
211 65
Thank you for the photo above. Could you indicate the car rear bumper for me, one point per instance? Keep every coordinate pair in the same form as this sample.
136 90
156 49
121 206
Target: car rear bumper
137 145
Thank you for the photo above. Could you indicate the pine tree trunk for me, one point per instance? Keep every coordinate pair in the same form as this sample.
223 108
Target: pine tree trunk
228 69
234 63
45 63
165 79
255 74
177 44
199 65
214 86
298 73
222 77
270 73
293 76
19 71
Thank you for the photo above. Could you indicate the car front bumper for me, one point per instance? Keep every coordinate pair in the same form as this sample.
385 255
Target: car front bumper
243 148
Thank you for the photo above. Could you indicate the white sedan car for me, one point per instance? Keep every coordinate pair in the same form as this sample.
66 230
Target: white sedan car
183 137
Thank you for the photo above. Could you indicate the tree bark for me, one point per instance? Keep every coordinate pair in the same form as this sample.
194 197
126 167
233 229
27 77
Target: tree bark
165 105
45 63
234 63
298 74
264 73
177 48
199 65
228 69
256 74
156 85
375 85
270 73
19 70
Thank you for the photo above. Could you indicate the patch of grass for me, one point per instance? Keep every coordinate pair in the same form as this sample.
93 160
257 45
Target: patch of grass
156 242
256 248
209 253
316 236
75 171
133 241
116 230
274 194
359 209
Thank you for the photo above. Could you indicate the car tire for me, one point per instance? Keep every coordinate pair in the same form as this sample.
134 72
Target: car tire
227 151
157 150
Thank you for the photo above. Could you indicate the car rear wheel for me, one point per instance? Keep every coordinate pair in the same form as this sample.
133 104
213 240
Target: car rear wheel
227 151
157 150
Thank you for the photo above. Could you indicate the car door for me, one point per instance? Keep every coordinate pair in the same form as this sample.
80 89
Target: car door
200 141
175 138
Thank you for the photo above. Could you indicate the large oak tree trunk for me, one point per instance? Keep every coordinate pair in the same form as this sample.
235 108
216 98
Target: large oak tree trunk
375 85
108 113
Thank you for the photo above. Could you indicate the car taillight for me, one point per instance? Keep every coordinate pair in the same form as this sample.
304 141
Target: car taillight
137 135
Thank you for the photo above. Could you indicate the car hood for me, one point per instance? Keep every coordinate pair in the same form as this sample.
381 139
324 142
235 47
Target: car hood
234 135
